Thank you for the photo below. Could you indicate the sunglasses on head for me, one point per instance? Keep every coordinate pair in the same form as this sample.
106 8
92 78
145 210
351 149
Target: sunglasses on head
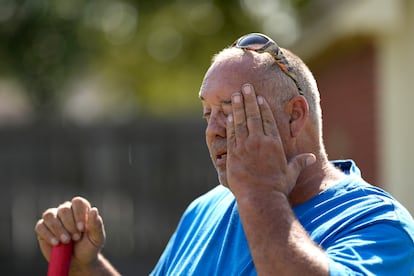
263 44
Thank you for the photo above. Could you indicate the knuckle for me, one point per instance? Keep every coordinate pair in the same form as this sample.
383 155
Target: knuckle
239 126
38 225
77 198
64 210
255 118
64 205
80 201
49 214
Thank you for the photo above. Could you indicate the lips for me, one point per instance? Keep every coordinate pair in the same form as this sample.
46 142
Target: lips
220 154
221 157
218 151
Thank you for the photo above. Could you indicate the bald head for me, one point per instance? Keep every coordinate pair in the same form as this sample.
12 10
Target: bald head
233 67
261 70
260 67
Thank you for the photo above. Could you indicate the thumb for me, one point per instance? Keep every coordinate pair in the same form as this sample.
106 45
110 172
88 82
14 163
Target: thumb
96 231
301 161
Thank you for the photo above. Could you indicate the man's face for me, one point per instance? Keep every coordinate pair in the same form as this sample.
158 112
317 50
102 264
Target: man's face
220 82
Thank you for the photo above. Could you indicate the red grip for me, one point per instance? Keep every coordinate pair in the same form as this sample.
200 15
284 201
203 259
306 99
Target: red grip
60 260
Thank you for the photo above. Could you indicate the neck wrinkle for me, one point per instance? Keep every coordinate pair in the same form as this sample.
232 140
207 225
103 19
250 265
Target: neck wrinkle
315 179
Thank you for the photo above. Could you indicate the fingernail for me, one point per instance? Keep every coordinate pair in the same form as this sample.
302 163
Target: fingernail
310 160
80 226
230 118
247 89
236 98
260 99
54 241
64 238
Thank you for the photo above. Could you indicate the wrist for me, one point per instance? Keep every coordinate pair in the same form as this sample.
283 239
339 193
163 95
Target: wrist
95 267
258 187
256 199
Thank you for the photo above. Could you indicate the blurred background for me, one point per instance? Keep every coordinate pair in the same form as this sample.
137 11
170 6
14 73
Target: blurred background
99 98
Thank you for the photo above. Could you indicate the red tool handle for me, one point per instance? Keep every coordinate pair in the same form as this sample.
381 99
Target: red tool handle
60 260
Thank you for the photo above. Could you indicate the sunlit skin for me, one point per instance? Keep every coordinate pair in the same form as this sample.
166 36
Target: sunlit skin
226 79
270 159
79 221
220 83
268 154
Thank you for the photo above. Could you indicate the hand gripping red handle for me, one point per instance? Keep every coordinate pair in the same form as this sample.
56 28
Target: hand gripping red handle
60 260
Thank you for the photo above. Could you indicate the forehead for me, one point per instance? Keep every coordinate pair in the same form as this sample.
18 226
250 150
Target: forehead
227 75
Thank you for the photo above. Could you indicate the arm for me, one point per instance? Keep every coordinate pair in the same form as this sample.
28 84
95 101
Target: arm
277 241
100 267
261 179
77 221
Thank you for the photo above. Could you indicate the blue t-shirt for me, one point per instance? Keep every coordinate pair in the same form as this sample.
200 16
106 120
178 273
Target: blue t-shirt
363 230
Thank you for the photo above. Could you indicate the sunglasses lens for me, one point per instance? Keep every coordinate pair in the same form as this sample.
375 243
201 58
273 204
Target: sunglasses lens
252 41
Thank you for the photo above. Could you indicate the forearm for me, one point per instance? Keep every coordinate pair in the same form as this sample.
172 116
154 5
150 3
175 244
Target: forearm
278 243
102 267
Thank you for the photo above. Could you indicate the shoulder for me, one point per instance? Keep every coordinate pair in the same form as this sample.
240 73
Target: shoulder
351 205
218 198
362 228
205 212
355 196
358 196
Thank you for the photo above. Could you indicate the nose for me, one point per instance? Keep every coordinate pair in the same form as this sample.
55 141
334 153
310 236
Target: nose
216 125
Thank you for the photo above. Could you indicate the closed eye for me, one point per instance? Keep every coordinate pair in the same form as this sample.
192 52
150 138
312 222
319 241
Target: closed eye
206 115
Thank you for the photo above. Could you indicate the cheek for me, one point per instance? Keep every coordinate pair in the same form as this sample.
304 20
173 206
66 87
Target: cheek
207 139
209 143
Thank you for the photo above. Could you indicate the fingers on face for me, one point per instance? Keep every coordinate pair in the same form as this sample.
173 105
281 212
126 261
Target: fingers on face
64 223
246 113
239 115
267 118
251 115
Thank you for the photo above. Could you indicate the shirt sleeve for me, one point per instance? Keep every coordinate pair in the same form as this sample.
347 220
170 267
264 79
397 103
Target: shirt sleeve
383 248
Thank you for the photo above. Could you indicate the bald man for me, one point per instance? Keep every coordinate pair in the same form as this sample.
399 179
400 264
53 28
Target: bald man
282 208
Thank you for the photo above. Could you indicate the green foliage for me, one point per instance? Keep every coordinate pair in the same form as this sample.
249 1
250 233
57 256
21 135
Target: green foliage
155 50
37 47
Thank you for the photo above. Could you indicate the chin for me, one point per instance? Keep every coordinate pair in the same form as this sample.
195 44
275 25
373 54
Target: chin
223 179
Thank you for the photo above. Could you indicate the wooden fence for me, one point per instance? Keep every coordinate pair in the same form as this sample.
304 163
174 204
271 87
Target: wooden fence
141 176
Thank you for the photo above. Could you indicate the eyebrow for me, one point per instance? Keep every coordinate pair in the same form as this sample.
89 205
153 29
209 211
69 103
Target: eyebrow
225 102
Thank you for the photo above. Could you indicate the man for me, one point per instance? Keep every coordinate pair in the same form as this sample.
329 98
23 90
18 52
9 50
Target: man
282 208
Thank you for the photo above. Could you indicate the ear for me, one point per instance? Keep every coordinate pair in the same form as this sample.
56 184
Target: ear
298 109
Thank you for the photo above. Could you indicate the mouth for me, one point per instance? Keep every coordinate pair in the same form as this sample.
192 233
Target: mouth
221 158
218 152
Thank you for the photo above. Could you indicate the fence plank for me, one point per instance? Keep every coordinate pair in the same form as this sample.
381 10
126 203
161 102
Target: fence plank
141 176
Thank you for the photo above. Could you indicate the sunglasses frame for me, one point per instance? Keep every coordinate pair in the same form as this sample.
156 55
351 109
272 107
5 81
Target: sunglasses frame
261 43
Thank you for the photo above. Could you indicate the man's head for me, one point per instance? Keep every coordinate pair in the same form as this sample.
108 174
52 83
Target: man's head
298 117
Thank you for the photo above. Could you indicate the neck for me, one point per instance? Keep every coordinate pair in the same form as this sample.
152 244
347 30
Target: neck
315 179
